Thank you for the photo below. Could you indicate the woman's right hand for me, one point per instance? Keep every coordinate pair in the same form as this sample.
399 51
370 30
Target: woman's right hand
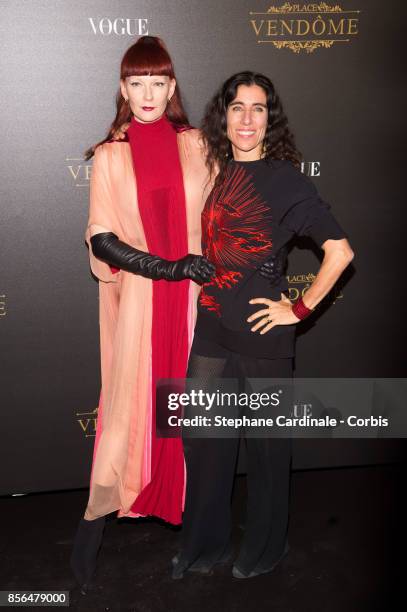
121 132
195 267
273 268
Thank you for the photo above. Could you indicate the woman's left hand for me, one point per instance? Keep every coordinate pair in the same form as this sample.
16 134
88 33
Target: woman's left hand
276 313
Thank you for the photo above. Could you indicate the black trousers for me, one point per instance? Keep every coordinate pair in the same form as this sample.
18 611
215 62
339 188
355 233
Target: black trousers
211 465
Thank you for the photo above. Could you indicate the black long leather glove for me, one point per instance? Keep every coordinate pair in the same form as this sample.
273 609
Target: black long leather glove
273 268
108 247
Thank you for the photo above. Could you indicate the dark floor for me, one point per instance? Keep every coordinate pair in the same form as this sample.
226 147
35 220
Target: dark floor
345 551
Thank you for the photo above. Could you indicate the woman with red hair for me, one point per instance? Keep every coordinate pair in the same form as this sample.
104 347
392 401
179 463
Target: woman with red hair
147 193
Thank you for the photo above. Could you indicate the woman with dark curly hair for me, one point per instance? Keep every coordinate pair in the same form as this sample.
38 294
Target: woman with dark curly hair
259 201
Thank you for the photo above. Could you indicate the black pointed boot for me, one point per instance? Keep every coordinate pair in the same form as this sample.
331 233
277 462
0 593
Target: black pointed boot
86 545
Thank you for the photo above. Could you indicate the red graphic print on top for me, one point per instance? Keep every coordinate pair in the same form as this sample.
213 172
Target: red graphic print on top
236 232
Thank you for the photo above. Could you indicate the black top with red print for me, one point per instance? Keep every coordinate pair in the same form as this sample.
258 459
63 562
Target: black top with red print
256 210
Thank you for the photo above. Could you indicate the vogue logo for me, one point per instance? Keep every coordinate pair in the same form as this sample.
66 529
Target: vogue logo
80 172
311 168
305 27
120 26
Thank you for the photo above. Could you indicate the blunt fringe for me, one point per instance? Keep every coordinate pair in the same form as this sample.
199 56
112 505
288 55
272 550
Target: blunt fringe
148 56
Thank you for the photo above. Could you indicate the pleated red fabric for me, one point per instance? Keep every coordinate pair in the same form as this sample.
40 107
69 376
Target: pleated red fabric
161 201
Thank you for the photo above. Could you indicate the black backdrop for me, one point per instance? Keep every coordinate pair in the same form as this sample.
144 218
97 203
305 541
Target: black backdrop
345 100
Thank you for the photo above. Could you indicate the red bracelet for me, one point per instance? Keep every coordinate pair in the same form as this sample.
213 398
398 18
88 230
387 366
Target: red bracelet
300 310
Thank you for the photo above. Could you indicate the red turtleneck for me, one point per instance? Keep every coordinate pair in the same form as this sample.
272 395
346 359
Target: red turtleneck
161 202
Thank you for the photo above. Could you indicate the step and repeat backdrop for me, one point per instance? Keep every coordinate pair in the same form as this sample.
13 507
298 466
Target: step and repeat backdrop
338 70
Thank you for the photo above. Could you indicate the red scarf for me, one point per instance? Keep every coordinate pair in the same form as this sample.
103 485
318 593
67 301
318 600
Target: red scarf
161 201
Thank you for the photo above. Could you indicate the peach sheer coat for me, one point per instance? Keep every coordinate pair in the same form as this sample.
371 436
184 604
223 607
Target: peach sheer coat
122 452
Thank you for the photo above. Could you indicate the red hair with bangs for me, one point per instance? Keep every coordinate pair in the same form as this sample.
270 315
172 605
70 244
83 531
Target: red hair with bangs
148 56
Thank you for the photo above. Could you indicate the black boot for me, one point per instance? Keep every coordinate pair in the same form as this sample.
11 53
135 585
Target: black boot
88 539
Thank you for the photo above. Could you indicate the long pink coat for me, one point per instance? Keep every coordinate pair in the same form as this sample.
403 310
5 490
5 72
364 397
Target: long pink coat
122 455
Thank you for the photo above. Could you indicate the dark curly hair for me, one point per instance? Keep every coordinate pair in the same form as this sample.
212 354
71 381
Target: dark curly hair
278 141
